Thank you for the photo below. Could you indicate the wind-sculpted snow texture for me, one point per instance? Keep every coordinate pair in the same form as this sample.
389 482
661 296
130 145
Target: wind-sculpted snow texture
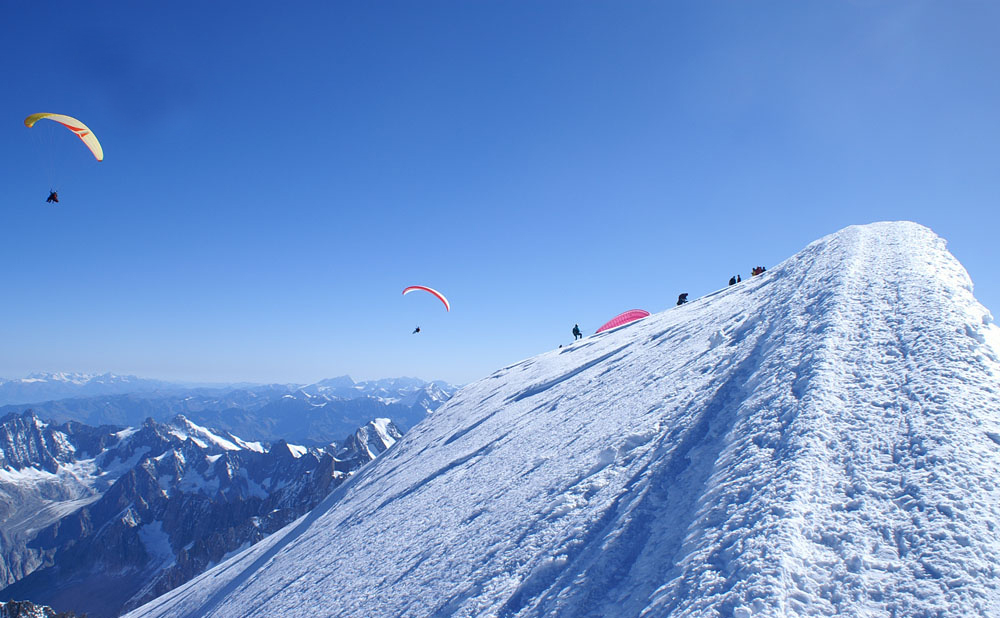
821 440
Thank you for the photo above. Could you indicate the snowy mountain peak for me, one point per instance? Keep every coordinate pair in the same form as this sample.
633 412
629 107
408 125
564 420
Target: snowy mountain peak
204 438
370 441
819 440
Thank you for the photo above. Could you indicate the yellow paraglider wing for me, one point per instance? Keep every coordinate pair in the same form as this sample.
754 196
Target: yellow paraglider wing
82 131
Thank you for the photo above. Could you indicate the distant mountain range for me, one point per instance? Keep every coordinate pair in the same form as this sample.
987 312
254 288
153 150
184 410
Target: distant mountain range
50 386
313 414
116 474
155 504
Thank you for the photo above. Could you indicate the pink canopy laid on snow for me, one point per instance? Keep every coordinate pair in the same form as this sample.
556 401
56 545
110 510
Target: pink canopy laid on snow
439 295
624 318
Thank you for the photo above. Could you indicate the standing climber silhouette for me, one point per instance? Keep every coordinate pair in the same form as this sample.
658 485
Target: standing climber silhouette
576 332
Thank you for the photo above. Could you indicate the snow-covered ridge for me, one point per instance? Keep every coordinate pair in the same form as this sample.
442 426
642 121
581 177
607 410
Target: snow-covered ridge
820 440
185 429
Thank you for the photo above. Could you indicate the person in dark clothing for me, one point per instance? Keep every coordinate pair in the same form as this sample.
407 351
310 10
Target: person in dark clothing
53 197
683 298
732 281
739 279
576 332
416 330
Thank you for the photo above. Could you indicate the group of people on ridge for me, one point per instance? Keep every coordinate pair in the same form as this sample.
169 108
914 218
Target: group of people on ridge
756 270
683 298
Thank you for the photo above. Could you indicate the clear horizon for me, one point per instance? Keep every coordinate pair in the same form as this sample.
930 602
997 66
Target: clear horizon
201 383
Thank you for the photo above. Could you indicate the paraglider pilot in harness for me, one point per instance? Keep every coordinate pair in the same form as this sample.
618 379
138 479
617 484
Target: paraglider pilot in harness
53 197
416 330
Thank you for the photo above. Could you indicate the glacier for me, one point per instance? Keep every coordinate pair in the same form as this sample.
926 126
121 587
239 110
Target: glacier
819 440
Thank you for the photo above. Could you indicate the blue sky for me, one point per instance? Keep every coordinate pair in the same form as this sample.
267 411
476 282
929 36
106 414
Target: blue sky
274 177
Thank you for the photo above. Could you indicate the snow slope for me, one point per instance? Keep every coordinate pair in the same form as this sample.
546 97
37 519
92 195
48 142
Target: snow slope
821 440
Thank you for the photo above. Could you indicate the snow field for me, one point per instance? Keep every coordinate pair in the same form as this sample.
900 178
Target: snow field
821 440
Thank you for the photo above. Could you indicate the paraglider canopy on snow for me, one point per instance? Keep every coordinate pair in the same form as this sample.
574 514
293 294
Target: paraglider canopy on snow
439 295
624 318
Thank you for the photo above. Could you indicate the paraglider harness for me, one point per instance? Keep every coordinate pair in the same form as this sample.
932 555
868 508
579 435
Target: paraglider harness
415 330
53 197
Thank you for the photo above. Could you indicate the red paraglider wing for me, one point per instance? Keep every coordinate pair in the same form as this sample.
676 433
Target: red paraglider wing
624 318
439 295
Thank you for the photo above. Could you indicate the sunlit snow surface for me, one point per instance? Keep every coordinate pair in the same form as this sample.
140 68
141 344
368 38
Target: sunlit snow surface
822 440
